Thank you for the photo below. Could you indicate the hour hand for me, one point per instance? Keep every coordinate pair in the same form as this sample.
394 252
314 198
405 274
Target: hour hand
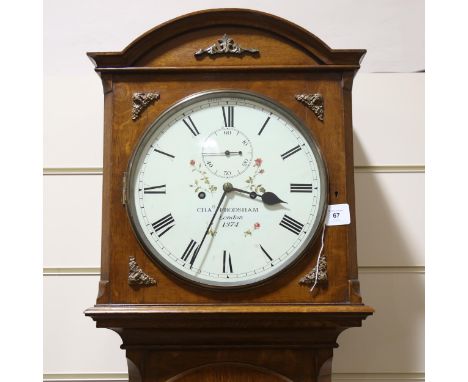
268 198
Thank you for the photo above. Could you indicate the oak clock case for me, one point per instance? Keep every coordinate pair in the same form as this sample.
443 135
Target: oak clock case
243 110
200 189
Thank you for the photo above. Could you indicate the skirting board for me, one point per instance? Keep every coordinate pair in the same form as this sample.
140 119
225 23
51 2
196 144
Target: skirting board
337 377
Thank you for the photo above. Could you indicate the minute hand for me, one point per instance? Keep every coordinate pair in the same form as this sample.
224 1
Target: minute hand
226 190
268 198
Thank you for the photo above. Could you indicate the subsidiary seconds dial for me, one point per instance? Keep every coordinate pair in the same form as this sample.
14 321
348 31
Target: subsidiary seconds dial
227 152
226 189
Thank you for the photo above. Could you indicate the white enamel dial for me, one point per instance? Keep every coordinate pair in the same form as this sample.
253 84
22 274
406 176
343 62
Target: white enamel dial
226 189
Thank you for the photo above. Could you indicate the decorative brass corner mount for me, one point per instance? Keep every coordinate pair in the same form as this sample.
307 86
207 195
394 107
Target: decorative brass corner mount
136 276
314 102
141 101
225 45
312 276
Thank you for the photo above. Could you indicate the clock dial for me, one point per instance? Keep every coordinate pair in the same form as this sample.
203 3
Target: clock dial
226 189
227 152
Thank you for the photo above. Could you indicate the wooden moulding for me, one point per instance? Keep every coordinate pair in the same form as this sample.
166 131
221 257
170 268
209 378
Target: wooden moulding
228 325
140 310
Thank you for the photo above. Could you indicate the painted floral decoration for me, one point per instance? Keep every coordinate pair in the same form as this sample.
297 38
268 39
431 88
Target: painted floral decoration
251 230
258 170
203 182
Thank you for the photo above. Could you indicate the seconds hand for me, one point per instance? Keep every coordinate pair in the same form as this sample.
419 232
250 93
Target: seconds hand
226 153
227 187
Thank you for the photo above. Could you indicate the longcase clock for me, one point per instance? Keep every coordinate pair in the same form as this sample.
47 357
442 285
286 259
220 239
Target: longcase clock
228 224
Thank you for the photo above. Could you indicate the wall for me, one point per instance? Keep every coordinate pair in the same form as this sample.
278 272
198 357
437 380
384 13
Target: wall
389 157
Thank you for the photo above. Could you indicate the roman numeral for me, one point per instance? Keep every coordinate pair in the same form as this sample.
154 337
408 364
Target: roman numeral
155 190
163 225
189 250
227 263
292 225
163 153
261 130
266 253
194 256
228 116
193 129
288 153
301 187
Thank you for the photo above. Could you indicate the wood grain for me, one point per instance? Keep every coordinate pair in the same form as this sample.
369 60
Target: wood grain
277 331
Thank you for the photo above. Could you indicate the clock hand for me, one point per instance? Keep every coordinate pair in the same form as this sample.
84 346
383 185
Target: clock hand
227 187
271 198
225 153
268 198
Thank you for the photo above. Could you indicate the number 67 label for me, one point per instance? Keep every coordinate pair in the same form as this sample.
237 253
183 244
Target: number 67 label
338 214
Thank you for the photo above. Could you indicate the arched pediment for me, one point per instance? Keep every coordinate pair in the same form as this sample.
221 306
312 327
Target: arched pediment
227 37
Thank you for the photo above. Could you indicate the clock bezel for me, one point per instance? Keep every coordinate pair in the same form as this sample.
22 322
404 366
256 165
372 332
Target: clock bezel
138 151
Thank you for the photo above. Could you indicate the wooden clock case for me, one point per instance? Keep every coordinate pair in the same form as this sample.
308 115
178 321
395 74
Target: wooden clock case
278 331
